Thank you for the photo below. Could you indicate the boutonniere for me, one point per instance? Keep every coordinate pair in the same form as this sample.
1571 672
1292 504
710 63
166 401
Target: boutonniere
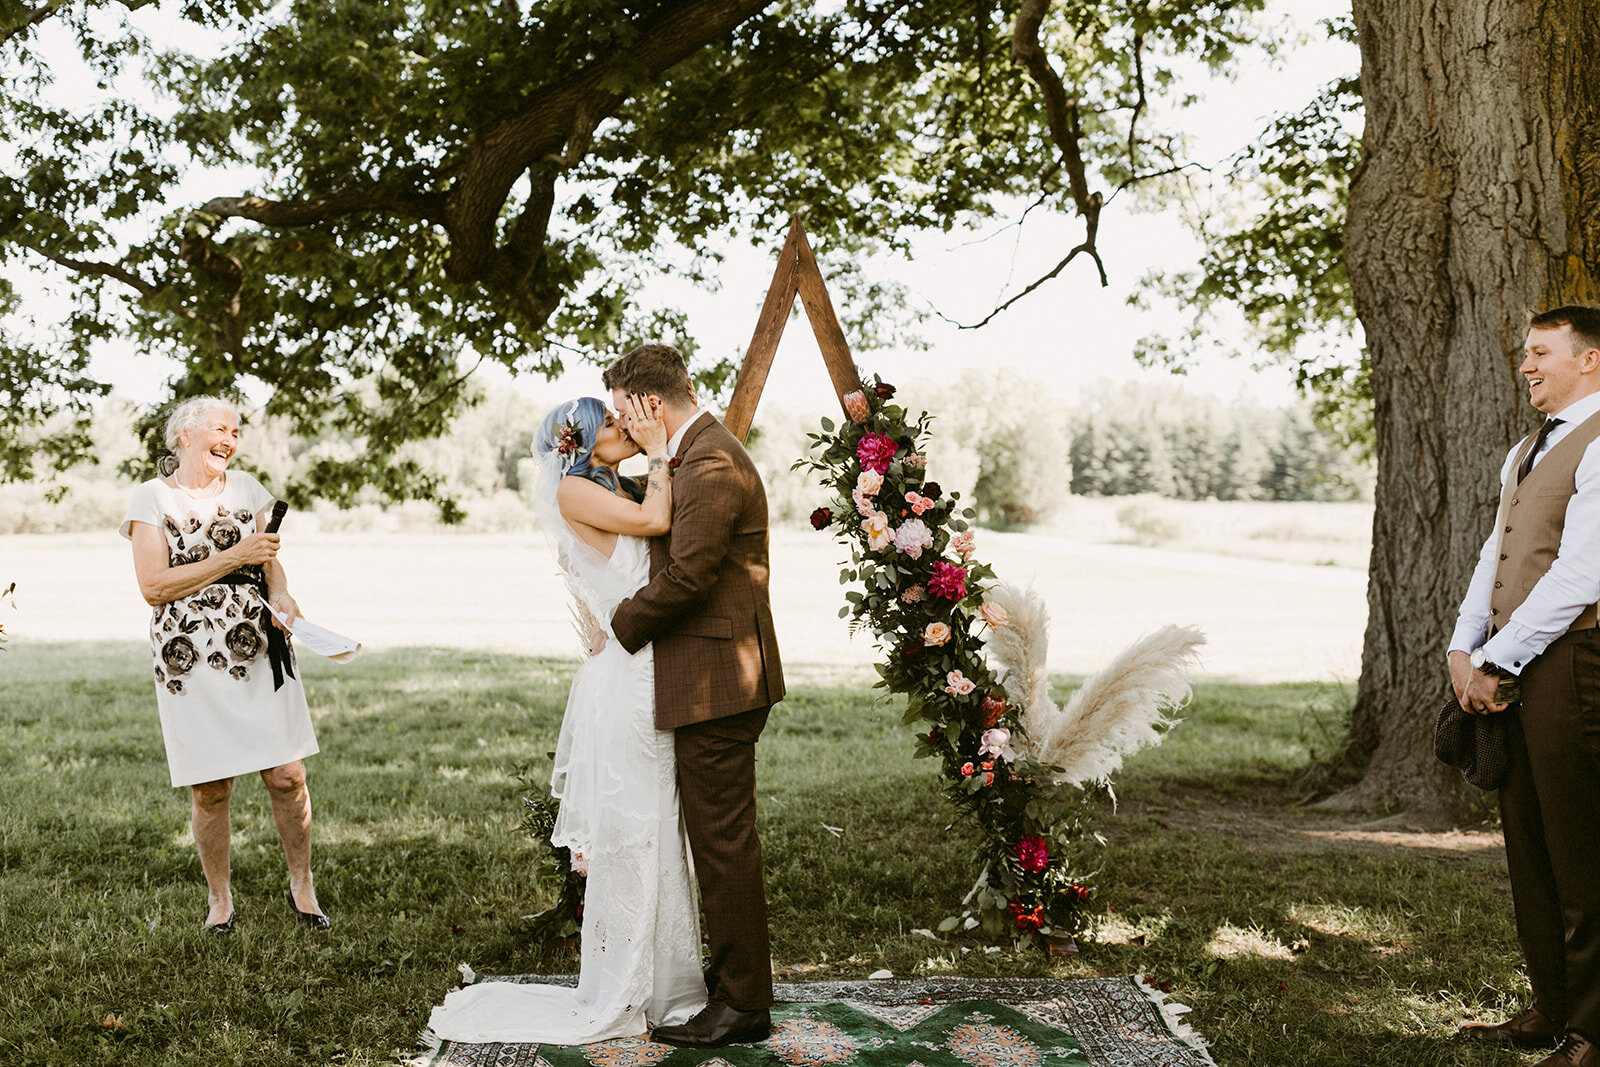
672 465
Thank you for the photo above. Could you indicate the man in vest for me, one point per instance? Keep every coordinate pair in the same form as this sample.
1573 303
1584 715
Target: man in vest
1531 612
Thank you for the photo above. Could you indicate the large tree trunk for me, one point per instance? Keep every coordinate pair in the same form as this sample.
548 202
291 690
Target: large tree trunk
1478 199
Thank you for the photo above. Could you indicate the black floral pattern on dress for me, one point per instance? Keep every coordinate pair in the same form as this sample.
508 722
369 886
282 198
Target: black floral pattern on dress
223 533
214 626
180 655
244 641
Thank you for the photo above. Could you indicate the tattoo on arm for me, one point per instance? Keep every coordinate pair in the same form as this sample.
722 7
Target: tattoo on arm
654 485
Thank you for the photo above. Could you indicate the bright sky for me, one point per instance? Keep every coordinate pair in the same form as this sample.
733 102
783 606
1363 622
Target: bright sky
1071 334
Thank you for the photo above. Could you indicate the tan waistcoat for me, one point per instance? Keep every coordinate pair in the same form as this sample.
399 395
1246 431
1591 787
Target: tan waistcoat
1530 520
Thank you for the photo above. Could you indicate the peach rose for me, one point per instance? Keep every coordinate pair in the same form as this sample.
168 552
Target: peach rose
936 633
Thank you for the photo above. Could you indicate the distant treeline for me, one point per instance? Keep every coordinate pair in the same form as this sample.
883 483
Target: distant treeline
1001 439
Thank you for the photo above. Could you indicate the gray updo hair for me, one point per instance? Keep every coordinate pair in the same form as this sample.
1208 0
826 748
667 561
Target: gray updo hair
191 413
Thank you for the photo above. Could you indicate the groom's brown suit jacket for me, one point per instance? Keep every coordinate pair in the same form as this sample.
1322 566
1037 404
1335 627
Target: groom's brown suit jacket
706 605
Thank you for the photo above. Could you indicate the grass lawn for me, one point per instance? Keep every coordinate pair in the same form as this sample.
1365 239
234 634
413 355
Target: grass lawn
1297 938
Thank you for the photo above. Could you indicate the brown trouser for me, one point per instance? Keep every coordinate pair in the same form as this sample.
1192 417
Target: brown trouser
1550 810
717 783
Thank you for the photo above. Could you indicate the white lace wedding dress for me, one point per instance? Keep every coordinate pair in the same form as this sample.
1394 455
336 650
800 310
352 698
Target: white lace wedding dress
616 777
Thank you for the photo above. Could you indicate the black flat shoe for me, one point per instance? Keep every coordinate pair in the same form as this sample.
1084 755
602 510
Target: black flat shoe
223 927
309 919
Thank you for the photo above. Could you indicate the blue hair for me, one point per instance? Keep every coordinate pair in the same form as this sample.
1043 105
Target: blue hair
588 416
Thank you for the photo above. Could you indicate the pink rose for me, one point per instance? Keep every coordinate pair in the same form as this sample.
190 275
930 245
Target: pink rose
865 505
948 581
962 544
916 461
875 451
912 537
1032 853
876 527
869 482
918 503
993 613
958 684
855 405
996 742
935 634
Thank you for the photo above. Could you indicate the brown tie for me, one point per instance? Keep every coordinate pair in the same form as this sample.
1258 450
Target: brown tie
1538 442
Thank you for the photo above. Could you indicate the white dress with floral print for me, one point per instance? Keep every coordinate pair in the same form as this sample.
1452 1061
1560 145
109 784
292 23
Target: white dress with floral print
221 714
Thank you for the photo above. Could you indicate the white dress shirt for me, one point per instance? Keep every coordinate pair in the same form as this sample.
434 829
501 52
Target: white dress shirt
677 439
1571 584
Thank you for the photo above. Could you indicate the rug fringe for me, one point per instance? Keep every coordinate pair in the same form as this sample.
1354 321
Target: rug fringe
1172 1013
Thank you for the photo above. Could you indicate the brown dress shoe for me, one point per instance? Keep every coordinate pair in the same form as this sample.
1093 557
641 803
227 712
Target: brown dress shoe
1530 1028
1575 1050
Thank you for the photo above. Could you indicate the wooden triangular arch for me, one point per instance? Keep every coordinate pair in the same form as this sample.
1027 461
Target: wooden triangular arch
797 273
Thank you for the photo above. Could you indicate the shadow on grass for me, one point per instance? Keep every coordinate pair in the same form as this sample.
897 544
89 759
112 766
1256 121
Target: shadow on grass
1297 938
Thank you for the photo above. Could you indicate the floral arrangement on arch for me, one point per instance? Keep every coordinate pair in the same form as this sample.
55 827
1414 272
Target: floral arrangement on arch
1024 772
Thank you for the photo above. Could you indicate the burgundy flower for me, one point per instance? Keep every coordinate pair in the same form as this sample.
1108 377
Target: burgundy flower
948 581
674 463
912 651
932 490
876 451
994 706
821 518
1032 853
884 390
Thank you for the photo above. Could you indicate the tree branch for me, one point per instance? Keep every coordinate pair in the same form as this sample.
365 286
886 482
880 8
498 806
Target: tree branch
558 120
100 269
424 206
30 20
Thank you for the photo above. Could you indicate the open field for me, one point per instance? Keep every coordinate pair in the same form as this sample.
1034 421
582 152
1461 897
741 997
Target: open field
1300 939
1266 619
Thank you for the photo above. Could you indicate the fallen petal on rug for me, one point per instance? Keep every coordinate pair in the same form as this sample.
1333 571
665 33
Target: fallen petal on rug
935 1022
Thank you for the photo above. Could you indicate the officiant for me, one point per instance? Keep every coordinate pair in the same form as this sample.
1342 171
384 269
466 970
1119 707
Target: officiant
230 702
1530 613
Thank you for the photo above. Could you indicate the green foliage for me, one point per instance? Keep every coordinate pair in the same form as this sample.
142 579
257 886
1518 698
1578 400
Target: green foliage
1274 250
925 609
433 187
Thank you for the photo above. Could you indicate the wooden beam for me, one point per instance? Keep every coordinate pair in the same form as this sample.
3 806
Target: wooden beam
825 324
769 331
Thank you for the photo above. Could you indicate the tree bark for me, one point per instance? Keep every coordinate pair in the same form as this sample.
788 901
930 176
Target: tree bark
1477 200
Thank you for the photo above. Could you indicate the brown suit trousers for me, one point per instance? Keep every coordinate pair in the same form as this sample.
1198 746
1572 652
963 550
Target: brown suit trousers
1550 811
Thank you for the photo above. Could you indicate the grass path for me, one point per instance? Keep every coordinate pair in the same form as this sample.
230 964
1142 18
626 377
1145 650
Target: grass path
1297 938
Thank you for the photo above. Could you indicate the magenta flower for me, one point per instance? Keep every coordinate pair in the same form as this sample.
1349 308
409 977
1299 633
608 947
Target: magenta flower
1032 853
875 451
948 581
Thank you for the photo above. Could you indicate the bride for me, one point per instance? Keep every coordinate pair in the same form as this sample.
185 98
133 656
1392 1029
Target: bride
614 772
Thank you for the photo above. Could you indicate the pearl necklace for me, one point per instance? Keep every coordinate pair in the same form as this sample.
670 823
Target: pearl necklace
205 492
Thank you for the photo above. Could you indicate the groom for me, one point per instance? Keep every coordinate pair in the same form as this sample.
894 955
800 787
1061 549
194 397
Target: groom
717 676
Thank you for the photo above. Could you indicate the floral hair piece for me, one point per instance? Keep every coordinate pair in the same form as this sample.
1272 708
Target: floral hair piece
570 441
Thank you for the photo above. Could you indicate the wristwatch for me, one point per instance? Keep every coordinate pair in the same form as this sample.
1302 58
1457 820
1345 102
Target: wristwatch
1480 662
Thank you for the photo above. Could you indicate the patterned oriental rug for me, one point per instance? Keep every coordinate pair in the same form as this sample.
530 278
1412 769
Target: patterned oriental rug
933 1022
